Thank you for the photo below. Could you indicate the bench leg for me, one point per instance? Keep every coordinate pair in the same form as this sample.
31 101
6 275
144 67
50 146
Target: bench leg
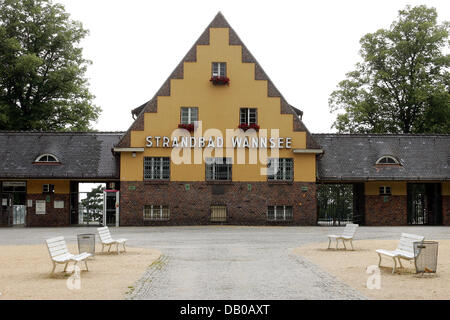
65 267
337 243
85 263
103 246
395 265
351 243
329 243
379 261
400 262
109 248
124 249
54 267
343 242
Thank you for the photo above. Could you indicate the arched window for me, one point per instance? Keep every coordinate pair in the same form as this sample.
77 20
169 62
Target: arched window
387 160
47 158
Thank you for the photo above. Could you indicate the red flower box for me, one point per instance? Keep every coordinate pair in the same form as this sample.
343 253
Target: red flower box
220 80
245 126
189 127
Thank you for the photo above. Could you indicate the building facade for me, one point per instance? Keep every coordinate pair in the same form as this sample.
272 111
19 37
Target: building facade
218 143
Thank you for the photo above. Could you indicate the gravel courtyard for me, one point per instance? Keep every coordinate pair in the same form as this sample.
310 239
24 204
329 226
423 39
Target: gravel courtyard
228 262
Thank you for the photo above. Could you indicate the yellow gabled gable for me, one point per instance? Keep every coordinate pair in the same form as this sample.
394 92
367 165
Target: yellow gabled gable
218 108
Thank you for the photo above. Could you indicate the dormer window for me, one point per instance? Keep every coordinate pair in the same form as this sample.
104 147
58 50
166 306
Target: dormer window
46 158
387 160
219 69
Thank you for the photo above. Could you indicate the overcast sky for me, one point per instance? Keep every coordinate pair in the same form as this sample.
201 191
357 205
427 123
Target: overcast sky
306 47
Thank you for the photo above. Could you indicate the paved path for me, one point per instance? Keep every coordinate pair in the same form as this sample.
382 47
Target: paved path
230 262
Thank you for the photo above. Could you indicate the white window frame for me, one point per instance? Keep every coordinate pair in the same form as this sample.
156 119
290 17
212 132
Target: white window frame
213 162
221 69
151 175
284 211
384 192
156 213
282 167
48 155
387 157
248 114
189 115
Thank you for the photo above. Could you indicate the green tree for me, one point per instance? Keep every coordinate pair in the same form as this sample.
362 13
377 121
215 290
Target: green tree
402 84
42 71
93 203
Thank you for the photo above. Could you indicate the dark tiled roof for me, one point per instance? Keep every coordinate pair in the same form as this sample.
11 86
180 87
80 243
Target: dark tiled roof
82 155
353 157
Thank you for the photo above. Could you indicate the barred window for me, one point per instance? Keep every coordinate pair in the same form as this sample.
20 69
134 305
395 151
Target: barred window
219 69
218 213
156 213
156 168
189 115
248 116
279 213
218 168
280 169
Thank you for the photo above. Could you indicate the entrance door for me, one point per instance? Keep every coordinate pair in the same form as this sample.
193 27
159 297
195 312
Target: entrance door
19 213
424 203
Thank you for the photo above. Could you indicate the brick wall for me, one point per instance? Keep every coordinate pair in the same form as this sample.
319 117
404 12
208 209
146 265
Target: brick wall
192 207
390 213
53 217
446 210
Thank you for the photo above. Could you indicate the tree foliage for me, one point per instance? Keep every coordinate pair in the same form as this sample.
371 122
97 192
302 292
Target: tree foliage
93 203
42 71
402 85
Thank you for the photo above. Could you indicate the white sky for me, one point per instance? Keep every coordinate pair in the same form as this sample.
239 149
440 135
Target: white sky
305 47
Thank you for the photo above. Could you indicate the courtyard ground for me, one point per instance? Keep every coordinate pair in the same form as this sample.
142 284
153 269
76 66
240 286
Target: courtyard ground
350 267
198 262
25 274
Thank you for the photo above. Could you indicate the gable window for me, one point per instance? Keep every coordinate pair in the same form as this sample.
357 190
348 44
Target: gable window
189 115
218 169
387 160
279 213
385 191
156 168
156 213
47 158
248 116
280 169
219 69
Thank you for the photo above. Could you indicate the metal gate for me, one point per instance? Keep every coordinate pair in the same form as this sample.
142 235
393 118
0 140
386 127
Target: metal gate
335 204
88 207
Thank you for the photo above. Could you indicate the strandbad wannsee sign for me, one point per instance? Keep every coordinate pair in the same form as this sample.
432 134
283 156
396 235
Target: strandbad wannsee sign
218 142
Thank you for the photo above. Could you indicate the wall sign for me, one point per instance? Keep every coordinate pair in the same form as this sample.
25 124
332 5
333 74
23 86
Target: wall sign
40 206
217 142
58 204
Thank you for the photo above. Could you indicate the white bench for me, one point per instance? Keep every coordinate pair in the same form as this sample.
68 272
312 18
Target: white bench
60 254
347 235
405 249
106 240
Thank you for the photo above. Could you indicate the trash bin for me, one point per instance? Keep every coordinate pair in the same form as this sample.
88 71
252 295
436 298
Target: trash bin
86 243
425 256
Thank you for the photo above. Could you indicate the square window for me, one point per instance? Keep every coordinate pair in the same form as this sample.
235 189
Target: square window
248 116
188 115
156 168
219 69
